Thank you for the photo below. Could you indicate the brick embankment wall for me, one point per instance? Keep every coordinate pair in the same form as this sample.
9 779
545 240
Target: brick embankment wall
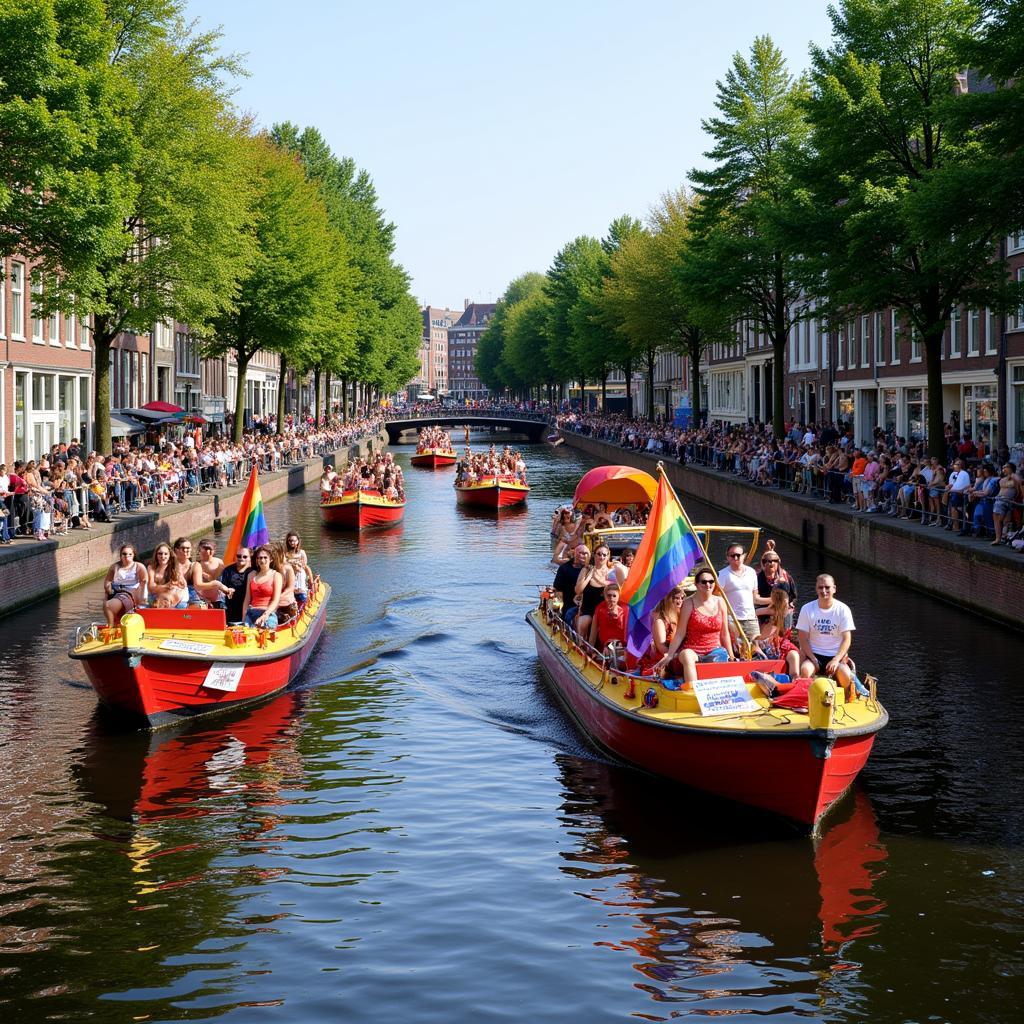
989 581
31 570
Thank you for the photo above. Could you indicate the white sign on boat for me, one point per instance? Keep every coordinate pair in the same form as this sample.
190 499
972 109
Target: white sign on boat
188 646
223 676
725 696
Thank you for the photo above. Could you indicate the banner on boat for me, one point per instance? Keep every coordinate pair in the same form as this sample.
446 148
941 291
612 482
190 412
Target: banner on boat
725 696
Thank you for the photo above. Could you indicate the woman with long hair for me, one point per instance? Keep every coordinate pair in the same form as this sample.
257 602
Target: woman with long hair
167 586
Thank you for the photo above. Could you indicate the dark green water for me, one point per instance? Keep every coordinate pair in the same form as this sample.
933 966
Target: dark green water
418 834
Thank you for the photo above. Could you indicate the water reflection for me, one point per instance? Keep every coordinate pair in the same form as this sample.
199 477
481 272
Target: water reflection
769 932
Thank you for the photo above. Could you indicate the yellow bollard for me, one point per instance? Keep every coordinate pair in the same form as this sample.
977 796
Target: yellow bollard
821 702
133 626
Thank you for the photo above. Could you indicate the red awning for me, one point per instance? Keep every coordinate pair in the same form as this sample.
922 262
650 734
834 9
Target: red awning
162 407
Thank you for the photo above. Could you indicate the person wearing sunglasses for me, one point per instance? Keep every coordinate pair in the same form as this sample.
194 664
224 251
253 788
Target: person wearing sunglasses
235 578
702 634
739 584
773 577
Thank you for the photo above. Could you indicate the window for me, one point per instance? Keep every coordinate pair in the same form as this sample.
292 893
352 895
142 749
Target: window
879 341
37 298
42 392
1015 241
973 331
839 349
981 412
17 299
54 329
991 334
894 340
69 330
864 341
851 344
889 410
3 299
84 419
954 334
845 407
83 331
823 334
1018 404
1020 309
917 413
915 345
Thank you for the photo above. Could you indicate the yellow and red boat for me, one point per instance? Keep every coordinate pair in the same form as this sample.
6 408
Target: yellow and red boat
492 492
161 665
361 510
791 763
433 458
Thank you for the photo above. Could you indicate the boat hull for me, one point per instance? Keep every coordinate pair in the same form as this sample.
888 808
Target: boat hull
796 776
361 512
154 689
434 459
492 495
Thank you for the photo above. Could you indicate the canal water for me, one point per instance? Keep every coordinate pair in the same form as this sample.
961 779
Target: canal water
417 833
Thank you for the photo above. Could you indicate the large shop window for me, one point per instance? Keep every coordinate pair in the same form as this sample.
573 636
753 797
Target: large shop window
845 407
1018 405
981 412
917 413
889 410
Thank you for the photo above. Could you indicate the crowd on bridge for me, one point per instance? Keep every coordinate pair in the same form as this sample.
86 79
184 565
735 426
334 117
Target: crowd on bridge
68 488
973 490
447 410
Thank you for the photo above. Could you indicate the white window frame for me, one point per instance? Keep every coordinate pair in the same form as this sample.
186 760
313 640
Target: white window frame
973 332
35 286
17 300
916 351
879 340
991 339
840 365
864 328
83 332
69 330
824 339
3 307
894 338
53 329
1015 241
955 320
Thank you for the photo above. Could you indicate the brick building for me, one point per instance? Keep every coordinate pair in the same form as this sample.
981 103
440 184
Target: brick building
463 337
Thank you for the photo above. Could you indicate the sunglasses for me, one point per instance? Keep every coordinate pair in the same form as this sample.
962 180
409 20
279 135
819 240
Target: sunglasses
705 583
736 554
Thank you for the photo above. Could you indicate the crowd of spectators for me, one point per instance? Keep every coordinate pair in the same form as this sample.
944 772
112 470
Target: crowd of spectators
68 488
973 490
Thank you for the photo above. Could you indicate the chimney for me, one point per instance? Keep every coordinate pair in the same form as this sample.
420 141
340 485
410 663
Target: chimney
465 305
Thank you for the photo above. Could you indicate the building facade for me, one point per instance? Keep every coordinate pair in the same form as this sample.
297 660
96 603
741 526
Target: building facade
463 338
433 352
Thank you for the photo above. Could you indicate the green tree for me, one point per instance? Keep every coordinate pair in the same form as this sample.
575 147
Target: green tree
65 143
491 361
289 291
186 241
526 341
759 141
903 209
577 266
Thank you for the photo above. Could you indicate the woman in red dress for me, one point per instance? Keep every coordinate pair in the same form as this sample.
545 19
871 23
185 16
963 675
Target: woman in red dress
703 630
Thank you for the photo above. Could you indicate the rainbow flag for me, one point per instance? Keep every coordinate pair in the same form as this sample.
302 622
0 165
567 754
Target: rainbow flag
250 529
666 555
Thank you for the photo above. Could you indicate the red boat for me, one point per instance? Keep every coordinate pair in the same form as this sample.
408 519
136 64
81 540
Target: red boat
361 510
433 458
492 492
793 764
161 665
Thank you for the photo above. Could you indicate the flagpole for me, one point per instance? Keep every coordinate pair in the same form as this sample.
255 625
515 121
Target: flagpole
718 586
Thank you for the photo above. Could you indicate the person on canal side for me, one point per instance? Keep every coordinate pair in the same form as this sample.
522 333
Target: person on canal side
825 630
263 591
702 634
124 586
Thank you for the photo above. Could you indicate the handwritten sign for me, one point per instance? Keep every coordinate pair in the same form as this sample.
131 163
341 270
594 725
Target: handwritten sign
223 676
188 646
725 696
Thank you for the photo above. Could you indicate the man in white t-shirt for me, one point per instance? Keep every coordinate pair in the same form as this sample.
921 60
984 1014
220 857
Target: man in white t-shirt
956 488
739 584
825 629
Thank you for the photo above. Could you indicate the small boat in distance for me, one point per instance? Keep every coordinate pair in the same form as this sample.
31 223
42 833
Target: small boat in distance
163 665
433 458
434 449
491 480
361 510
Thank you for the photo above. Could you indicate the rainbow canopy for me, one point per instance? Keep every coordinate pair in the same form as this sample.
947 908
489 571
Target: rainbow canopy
669 551
250 529
615 486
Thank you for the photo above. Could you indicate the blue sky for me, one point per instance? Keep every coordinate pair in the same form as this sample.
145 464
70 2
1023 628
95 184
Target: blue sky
495 133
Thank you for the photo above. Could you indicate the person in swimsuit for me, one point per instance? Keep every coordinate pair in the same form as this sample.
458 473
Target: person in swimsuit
590 587
296 556
167 586
206 573
124 586
703 631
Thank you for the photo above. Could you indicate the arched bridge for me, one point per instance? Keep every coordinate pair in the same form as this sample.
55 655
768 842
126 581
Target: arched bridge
534 428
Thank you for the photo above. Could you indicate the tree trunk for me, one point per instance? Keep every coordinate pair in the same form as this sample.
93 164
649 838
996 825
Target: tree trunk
936 425
651 355
316 390
282 379
102 340
627 369
242 364
694 354
604 390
